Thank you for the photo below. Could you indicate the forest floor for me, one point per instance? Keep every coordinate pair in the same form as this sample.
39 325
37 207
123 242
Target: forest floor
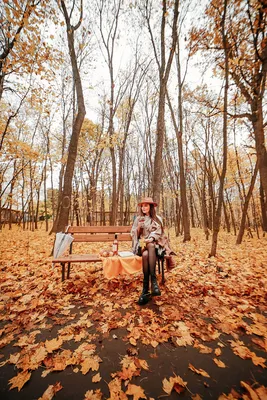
87 338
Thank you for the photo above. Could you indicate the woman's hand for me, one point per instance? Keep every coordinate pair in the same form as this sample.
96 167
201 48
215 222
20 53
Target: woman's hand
141 224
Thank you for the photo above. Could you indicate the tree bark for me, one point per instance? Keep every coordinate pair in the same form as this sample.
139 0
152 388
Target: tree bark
164 71
217 219
263 201
64 208
246 204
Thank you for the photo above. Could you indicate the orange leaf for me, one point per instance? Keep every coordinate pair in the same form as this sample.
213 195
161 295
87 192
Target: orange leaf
252 394
93 395
154 343
175 383
262 392
96 378
218 351
19 380
115 390
51 391
199 371
143 364
53 344
219 363
89 363
136 391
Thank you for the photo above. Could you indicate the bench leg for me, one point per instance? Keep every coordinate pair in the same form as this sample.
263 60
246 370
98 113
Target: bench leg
63 272
162 271
159 265
160 261
68 273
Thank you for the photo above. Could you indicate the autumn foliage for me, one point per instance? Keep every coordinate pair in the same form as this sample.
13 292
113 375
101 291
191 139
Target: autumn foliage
215 307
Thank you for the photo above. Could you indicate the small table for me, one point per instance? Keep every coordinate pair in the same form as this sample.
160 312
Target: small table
116 265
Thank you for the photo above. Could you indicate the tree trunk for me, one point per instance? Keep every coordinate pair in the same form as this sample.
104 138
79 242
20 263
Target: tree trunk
164 71
45 197
231 212
257 121
226 218
263 201
192 211
246 204
204 208
217 219
64 210
102 210
254 214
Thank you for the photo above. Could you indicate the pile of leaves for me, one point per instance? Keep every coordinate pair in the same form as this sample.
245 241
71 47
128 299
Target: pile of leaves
207 304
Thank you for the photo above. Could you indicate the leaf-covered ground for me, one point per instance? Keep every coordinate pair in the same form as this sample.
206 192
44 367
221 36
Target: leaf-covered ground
86 338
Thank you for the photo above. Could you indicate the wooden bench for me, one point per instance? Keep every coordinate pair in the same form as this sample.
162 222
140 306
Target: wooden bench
91 234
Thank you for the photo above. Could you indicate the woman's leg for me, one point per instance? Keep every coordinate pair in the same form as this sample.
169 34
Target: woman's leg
145 295
152 260
145 264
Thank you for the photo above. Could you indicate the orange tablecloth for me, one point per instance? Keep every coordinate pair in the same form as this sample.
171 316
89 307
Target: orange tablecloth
114 266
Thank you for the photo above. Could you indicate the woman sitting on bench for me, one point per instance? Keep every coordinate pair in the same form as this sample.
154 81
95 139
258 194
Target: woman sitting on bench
148 227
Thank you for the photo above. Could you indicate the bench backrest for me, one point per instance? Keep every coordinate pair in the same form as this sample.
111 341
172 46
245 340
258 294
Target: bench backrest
100 233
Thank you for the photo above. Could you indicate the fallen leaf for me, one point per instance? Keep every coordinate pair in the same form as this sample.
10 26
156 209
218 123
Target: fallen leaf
252 394
89 363
133 341
261 343
143 364
167 386
154 343
199 371
175 383
52 345
184 333
115 390
219 363
60 361
96 378
46 372
262 392
93 395
19 380
136 391
51 391
218 352
14 358
202 348
243 352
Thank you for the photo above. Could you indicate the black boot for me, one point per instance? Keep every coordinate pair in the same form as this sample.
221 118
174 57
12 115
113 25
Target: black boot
145 295
154 286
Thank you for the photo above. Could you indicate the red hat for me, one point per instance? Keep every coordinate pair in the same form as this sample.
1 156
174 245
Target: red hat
147 200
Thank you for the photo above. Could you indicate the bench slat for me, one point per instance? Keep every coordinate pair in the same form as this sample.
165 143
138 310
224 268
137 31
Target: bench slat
77 258
126 237
99 229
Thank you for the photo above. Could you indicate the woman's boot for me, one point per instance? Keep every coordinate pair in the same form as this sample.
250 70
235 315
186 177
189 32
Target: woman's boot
145 295
154 285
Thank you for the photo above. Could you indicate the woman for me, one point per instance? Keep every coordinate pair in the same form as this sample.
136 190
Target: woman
148 226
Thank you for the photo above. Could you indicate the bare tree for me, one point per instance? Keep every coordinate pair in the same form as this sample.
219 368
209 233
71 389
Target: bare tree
65 203
217 219
164 67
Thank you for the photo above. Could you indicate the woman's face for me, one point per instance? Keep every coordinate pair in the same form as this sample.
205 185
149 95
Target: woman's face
145 207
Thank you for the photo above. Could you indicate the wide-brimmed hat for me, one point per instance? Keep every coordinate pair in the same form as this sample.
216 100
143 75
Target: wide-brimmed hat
147 200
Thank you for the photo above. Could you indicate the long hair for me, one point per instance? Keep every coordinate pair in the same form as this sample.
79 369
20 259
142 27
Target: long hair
152 214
